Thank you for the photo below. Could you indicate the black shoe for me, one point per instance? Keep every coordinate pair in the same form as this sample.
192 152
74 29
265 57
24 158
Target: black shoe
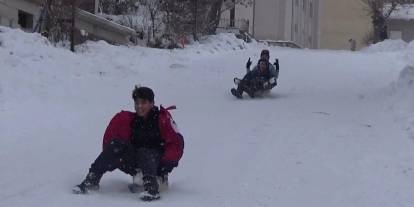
236 93
147 196
91 183
150 192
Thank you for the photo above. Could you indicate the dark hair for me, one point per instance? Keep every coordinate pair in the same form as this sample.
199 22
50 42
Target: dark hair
143 93
265 52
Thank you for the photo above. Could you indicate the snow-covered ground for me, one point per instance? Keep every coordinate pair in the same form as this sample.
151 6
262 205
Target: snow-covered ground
337 131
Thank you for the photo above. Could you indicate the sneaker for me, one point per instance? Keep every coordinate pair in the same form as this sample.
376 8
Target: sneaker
147 196
91 183
137 185
236 93
150 192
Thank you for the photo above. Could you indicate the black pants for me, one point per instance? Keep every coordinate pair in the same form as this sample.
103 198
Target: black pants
123 156
250 85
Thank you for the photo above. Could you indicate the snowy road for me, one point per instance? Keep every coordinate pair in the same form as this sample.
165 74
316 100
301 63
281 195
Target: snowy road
326 136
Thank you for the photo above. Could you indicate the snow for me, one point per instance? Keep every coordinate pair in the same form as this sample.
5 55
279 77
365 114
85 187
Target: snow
336 131
387 46
404 98
405 12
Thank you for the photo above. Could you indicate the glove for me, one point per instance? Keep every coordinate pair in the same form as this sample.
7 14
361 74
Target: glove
276 63
166 167
272 81
249 63
265 85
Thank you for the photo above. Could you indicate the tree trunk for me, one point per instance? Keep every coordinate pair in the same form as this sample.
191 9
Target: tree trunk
72 32
213 17
380 28
195 14
152 13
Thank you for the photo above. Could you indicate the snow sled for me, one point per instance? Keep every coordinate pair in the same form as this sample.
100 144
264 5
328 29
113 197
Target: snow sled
253 94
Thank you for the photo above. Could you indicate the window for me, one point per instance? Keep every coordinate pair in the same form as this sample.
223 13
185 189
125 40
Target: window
297 3
25 20
296 28
304 5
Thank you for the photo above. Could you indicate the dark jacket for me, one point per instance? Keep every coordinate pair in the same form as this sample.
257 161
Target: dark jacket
158 132
257 74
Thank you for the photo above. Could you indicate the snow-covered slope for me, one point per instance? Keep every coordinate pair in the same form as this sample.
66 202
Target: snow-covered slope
330 134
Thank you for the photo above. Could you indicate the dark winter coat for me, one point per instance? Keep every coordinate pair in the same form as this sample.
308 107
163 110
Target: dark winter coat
258 75
273 71
157 132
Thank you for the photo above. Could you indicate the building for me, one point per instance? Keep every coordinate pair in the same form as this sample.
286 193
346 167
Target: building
25 14
341 21
401 23
292 20
317 24
19 13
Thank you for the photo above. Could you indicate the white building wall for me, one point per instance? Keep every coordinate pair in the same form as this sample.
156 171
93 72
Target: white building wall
291 20
341 20
245 13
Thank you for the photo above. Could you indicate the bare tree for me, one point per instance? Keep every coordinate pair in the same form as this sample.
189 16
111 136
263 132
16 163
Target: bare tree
153 12
117 7
73 4
169 21
217 7
177 19
380 11
194 17
57 27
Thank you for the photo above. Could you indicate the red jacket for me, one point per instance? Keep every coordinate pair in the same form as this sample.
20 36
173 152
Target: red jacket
120 128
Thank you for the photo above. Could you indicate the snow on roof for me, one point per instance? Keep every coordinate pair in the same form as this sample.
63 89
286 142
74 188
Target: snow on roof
405 12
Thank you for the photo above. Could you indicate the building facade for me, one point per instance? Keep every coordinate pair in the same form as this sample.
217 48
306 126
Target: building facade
19 13
291 20
24 14
342 23
317 24
401 23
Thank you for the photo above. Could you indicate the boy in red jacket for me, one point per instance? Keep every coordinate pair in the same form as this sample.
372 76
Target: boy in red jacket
145 141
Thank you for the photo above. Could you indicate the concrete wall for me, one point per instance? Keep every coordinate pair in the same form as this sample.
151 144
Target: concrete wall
406 27
341 20
99 33
100 28
266 19
246 13
304 22
242 12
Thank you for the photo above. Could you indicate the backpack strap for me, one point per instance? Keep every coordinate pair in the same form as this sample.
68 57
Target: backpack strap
173 107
